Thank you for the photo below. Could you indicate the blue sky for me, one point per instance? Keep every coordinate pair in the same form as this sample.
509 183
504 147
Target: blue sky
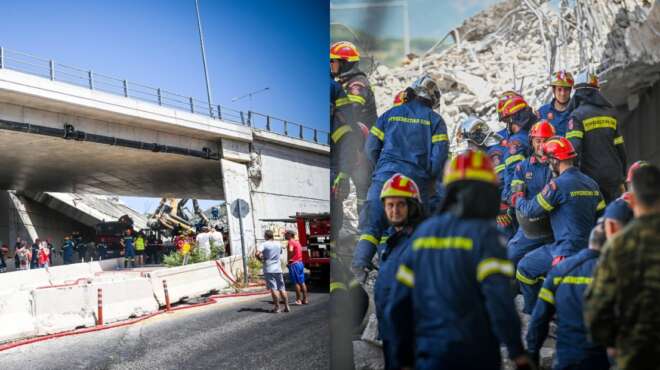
250 45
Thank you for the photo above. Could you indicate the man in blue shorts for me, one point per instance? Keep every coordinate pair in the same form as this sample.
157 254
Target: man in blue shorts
270 253
296 267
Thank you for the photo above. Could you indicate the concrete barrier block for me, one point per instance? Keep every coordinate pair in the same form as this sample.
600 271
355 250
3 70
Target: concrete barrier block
187 281
23 280
69 273
63 308
16 315
132 297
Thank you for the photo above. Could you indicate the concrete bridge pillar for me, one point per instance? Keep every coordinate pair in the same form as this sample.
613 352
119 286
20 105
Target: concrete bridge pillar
236 186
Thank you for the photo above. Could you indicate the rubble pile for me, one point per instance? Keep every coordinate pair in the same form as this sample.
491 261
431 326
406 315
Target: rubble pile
516 44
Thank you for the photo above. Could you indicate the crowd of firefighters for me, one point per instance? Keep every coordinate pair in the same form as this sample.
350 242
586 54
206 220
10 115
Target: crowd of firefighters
451 233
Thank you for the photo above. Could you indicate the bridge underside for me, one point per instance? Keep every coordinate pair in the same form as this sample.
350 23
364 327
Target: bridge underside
43 163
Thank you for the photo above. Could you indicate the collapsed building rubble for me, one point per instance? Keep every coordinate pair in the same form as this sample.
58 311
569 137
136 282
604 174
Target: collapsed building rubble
516 44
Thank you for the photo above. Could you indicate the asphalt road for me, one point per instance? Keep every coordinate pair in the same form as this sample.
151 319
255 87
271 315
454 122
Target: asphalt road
237 333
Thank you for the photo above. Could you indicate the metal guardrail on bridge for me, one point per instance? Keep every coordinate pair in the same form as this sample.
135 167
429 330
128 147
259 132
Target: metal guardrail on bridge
48 68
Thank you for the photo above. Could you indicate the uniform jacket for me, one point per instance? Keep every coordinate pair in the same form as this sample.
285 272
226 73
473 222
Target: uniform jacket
559 120
572 200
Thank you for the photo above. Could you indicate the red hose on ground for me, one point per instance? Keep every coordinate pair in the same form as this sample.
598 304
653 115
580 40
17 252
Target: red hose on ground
212 300
222 269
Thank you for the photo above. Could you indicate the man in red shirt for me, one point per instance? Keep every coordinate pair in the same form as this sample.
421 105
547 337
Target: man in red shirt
296 267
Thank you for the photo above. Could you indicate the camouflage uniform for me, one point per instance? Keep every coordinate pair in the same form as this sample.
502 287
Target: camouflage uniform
622 307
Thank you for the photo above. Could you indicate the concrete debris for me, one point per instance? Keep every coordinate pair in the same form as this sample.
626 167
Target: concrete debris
516 44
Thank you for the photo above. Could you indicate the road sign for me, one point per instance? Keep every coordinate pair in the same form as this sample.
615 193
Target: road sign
240 208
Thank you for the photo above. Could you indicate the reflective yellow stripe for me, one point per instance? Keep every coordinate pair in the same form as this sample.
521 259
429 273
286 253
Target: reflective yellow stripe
572 280
574 134
618 140
599 122
424 122
547 295
353 58
470 174
370 238
513 159
491 266
378 133
356 99
500 168
525 280
585 193
439 137
456 242
339 132
383 239
342 101
405 276
517 182
543 203
601 205
336 285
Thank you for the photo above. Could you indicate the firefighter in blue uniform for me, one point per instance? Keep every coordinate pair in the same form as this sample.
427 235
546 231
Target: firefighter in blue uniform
404 212
529 178
358 98
410 139
519 118
347 142
571 200
563 295
453 301
557 112
595 134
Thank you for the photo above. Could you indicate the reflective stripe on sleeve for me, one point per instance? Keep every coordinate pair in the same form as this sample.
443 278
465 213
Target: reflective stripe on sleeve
544 203
618 140
370 238
439 137
499 168
340 132
547 295
513 159
377 133
525 280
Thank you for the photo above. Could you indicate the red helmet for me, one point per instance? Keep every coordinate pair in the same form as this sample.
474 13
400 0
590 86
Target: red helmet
559 148
543 129
399 98
503 98
562 78
634 167
470 165
400 186
511 105
344 50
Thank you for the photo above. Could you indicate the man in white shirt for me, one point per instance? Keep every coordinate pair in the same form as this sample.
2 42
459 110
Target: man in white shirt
203 241
217 241
270 253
